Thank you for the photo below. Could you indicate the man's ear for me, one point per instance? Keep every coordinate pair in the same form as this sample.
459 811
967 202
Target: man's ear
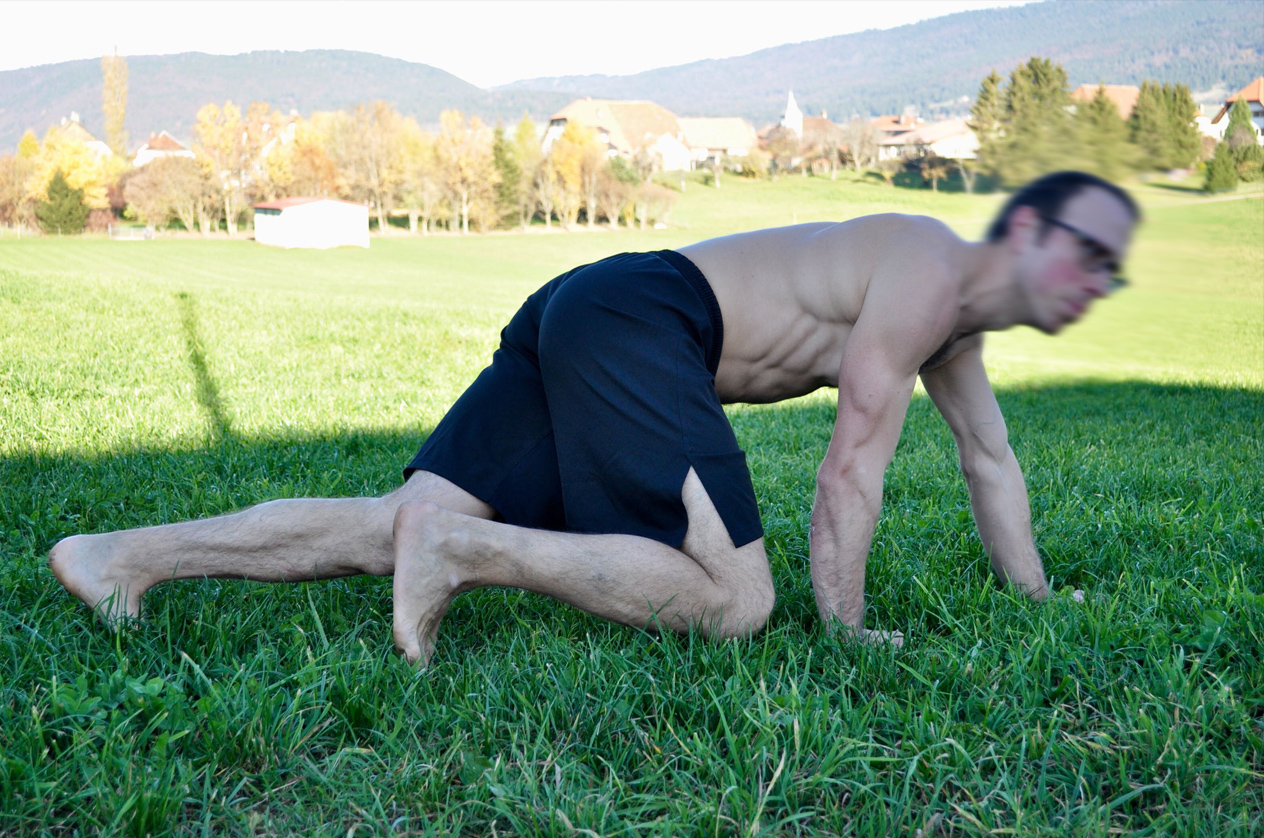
1023 227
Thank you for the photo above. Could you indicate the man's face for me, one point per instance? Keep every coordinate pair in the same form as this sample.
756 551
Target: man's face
1073 263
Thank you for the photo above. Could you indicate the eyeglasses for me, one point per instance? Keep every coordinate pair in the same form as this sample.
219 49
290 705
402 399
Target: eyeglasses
1095 257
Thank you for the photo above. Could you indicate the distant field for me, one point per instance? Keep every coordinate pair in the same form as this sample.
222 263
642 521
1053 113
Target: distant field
154 381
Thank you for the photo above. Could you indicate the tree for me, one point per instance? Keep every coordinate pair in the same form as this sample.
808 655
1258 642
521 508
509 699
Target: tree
166 188
1248 157
28 146
114 102
83 169
1221 172
377 157
985 122
419 189
526 146
933 168
16 206
218 133
1103 138
465 159
576 154
783 145
508 197
1037 135
546 188
615 187
64 211
1162 126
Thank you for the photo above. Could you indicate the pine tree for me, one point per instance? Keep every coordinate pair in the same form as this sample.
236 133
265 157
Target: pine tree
1147 123
1038 135
1162 126
1185 142
1248 157
985 122
507 191
1221 173
65 211
1103 138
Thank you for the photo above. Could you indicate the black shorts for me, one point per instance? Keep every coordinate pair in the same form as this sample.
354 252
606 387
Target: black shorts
599 399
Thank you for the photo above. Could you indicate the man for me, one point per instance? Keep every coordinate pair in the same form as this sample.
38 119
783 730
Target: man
592 462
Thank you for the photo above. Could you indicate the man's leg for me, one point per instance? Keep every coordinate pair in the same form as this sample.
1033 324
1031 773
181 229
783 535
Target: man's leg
709 584
279 541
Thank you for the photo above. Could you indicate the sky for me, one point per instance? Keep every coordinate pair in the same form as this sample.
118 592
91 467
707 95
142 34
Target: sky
485 42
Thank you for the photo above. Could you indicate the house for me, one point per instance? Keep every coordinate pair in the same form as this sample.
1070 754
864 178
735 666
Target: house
1124 96
312 222
893 126
952 139
72 129
627 128
1253 93
714 138
160 145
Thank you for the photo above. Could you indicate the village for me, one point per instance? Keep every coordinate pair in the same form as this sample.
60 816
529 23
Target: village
332 178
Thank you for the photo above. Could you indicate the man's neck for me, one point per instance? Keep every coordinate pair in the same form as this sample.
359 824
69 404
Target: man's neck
991 297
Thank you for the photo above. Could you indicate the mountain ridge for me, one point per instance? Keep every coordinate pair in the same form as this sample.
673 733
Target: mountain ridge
933 67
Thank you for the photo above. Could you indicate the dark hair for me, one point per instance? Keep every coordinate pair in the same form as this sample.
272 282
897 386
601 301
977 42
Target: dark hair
1047 195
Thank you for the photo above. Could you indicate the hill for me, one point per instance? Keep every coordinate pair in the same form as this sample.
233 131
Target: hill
934 67
165 91
931 65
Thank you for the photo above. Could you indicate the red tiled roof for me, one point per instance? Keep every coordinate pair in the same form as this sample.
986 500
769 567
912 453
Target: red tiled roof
1123 95
895 124
1253 92
164 142
929 133
285 203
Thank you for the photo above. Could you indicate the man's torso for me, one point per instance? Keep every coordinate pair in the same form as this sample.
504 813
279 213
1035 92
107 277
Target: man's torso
790 296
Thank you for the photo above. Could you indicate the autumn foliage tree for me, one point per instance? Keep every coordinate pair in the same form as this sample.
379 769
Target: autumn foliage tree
114 101
464 150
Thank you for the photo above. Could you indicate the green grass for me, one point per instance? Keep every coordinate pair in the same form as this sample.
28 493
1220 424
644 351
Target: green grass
142 383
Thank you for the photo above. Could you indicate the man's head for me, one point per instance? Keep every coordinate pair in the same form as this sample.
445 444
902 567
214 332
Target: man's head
1069 233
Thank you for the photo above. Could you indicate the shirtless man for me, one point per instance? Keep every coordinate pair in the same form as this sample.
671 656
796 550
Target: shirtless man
591 461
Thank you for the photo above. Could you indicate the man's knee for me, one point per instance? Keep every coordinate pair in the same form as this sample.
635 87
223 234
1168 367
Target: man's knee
747 594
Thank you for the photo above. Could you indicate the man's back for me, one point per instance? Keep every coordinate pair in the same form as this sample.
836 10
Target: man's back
790 296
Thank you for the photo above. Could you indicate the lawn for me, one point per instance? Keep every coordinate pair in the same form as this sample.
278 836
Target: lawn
148 382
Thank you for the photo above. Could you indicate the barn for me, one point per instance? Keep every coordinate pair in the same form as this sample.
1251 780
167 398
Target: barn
311 222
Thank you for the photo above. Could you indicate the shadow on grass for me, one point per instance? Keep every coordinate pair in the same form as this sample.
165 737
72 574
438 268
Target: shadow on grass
1097 433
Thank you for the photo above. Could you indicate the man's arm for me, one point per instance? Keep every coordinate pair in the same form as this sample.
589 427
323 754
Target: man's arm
998 495
903 319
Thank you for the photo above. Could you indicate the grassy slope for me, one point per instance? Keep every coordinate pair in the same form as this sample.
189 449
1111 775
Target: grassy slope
151 382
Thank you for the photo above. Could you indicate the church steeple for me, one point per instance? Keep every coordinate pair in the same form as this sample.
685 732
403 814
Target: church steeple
793 118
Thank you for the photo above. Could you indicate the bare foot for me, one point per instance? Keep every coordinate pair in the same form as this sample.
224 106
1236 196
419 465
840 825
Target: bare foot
426 578
82 564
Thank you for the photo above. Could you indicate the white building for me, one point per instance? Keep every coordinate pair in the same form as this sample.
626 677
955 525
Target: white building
1253 93
714 138
312 222
793 117
951 139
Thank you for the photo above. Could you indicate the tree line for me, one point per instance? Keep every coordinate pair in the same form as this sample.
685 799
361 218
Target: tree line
467 175
1028 125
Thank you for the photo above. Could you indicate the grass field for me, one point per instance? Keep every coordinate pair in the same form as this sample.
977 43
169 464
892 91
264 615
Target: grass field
149 382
